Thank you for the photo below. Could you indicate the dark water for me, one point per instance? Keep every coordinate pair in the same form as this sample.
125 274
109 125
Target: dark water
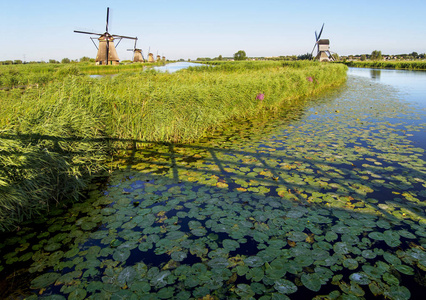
325 199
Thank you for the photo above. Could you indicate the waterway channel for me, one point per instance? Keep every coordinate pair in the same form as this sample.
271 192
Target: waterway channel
326 199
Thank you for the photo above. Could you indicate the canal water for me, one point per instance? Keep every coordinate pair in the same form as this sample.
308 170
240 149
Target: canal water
326 199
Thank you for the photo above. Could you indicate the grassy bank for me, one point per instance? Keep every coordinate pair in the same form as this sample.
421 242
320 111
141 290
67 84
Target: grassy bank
403 65
54 136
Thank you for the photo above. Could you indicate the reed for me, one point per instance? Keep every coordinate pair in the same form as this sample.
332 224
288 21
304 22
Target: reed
406 65
53 137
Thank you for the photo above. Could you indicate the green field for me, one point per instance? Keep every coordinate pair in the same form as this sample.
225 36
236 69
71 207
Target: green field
61 128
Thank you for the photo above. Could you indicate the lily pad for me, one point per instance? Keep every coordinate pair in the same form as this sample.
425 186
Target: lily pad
121 254
311 281
284 286
360 278
178 255
44 280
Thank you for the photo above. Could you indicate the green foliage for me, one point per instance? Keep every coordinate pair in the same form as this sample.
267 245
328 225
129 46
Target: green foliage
376 55
240 55
409 65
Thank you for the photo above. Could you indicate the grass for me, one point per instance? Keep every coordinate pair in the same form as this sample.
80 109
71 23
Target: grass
55 136
406 65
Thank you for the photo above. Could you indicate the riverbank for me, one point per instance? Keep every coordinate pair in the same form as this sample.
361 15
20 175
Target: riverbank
399 65
56 136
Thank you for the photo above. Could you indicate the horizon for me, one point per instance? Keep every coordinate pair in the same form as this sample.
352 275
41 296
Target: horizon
188 29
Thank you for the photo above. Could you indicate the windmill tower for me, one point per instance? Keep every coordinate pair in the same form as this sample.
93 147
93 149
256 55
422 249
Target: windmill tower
323 47
151 58
137 53
107 54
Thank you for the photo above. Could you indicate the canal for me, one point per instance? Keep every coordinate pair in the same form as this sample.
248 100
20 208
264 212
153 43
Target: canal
327 198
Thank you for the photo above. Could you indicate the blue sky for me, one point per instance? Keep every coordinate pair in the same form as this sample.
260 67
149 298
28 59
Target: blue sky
43 29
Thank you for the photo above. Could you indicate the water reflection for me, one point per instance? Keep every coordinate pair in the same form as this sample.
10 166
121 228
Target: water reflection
410 84
375 74
173 67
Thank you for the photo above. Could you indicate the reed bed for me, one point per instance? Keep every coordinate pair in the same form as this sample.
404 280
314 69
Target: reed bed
405 65
53 138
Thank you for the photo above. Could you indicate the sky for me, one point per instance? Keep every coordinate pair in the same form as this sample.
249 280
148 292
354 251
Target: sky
187 29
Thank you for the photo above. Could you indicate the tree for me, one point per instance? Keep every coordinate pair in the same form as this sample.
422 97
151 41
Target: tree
307 56
335 56
376 55
85 59
17 62
240 55
220 57
65 61
53 61
363 57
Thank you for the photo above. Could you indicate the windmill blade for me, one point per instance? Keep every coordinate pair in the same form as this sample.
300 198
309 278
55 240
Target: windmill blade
319 36
124 37
316 36
107 20
313 49
85 32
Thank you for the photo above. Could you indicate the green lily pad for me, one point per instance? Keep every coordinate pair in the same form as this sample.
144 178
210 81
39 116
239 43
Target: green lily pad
399 292
230 245
404 269
391 259
341 248
254 261
78 294
350 264
390 279
391 238
44 280
360 278
121 254
311 281
284 286
178 255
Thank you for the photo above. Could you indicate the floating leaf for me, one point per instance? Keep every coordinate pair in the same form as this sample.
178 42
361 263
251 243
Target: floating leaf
350 263
121 254
360 278
404 269
284 286
44 280
178 256
254 261
399 293
78 294
311 281
391 238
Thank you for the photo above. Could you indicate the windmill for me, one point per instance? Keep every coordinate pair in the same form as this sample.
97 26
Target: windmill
150 56
323 47
107 54
137 53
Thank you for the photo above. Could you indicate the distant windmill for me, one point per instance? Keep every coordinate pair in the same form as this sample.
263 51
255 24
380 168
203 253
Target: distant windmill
150 56
323 47
107 55
137 53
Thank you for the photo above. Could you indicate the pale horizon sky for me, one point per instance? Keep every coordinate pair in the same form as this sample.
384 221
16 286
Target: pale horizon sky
43 29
